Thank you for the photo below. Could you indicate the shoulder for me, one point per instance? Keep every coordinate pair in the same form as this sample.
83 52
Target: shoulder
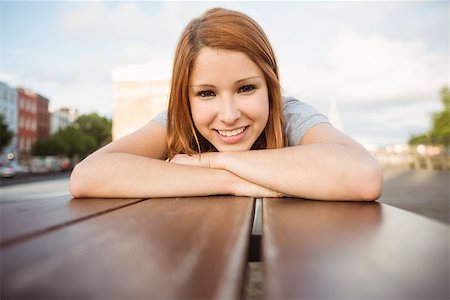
298 118
161 119
293 105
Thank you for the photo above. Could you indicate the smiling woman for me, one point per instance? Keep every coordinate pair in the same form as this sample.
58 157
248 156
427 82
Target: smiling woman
228 130
230 109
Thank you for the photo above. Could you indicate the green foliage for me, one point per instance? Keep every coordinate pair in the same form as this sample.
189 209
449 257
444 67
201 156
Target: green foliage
439 134
419 139
49 146
96 126
6 135
76 141
87 134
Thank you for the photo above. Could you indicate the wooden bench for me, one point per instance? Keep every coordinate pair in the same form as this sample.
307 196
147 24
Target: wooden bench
348 250
119 248
198 248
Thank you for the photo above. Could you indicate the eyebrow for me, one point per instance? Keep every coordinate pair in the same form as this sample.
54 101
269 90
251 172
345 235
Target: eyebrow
235 83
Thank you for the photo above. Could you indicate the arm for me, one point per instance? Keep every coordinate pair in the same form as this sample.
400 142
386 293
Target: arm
326 165
134 167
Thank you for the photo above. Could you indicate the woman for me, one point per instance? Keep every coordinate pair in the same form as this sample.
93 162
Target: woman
228 130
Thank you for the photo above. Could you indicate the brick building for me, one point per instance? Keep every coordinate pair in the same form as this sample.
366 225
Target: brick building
27 116
33 120
43 117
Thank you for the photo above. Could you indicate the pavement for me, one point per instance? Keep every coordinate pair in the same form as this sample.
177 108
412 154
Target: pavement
31 178
420 191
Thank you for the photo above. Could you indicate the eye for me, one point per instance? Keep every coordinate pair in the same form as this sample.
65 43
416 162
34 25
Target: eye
205 94
246 89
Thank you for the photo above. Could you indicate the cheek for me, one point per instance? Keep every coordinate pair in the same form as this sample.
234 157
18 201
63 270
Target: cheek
201 116
260 112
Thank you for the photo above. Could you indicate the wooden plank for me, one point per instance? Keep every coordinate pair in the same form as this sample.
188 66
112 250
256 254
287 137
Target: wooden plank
351 250
24 219
155 249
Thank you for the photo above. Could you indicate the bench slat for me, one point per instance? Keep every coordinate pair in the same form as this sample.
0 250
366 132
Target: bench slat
349 250
155 249
24 219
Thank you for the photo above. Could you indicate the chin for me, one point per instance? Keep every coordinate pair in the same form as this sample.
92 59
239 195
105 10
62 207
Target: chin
232 148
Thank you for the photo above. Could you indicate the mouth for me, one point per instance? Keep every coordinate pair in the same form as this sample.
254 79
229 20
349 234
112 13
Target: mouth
232 136
234 132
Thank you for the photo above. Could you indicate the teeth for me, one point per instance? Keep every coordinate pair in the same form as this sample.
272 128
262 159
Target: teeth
231 132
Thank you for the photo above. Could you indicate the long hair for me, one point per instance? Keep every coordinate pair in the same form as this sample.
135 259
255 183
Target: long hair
229 30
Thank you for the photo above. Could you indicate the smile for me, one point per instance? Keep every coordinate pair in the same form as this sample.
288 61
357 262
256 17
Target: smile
232 136
231 132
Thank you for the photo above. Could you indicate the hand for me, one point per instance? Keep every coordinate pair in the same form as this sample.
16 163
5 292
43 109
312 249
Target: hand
249 189
239 186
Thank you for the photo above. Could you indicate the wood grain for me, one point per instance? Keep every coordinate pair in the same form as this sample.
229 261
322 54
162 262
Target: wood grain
23 219
349 250
155 249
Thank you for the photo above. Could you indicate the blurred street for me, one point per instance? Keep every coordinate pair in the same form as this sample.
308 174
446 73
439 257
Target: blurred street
425 192
419 191
34 187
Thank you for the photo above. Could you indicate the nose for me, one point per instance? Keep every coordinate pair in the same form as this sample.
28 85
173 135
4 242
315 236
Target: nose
229 111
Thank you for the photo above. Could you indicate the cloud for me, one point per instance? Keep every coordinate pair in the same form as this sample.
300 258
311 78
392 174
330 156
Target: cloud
134 31
361 69
154 22
97 20
7 76
386 88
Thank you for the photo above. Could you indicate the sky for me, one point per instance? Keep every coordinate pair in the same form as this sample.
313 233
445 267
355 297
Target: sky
382 62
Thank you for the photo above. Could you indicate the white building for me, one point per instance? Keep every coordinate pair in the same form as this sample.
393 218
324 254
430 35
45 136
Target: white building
8 108
140 92
61 118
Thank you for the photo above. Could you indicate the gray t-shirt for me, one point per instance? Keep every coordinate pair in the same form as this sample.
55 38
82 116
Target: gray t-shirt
298 118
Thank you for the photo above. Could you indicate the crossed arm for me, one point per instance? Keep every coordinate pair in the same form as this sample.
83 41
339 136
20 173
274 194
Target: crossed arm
327 165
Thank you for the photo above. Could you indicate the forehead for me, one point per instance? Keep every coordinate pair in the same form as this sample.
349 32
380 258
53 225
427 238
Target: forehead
218 64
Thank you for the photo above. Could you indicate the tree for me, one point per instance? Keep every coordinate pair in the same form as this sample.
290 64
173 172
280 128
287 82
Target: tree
76 141
84 136
50 146
96 126
6 135
439 134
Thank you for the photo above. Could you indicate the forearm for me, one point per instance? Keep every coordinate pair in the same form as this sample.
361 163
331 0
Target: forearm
325 171
116 175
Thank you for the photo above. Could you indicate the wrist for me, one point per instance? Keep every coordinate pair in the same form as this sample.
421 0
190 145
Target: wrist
219 160
229 182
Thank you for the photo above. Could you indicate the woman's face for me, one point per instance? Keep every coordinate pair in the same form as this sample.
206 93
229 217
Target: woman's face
229 99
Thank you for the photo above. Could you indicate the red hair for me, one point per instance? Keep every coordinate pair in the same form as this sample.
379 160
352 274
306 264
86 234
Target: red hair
229 30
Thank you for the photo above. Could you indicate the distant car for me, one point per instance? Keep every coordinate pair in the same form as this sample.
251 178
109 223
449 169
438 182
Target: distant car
7 170
21 170
10 169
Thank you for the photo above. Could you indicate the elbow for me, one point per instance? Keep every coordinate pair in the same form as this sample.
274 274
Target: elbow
371 186
78 182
